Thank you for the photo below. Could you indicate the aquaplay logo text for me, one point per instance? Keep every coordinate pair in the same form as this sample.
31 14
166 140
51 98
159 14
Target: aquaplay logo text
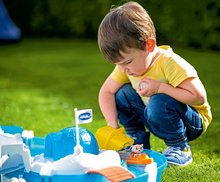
85 116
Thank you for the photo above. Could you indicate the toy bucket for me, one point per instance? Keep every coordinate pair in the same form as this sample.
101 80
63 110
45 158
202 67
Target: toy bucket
112 139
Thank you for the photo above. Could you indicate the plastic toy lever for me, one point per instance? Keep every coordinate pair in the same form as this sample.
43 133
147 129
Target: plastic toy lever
15 149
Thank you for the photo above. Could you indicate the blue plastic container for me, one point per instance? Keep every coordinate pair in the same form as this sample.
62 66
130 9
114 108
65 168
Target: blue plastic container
12 129
137 170
37 146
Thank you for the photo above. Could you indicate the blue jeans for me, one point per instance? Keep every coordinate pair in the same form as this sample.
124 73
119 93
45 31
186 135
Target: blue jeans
174 122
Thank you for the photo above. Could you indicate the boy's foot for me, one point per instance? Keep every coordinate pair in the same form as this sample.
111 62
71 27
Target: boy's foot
178 156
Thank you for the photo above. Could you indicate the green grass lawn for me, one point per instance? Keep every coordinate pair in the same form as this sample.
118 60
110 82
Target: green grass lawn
43 80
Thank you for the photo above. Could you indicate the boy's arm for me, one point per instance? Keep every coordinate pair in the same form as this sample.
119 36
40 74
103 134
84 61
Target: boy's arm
191 91
107 101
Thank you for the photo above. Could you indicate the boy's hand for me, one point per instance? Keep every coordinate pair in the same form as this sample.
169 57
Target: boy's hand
148 87
113 124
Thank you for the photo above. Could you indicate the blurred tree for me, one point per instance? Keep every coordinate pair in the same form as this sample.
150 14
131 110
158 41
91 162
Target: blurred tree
185 22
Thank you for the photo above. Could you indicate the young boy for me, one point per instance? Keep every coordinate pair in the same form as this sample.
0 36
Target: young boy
151 86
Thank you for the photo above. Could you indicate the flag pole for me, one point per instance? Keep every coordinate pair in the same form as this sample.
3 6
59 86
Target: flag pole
78 148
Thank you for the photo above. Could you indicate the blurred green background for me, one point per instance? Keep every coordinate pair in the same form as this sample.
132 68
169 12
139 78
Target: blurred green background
182 23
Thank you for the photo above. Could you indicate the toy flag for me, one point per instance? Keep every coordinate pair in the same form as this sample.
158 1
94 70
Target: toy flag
83 116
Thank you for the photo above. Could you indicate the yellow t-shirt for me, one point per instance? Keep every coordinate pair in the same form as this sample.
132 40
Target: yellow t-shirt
168 68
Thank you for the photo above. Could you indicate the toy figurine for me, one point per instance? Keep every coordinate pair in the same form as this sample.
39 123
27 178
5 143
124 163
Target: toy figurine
138 156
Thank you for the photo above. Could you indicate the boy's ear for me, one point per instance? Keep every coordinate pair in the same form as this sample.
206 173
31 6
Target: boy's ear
150 45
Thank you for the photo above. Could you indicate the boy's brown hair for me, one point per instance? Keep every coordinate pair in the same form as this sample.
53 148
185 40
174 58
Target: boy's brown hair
126 26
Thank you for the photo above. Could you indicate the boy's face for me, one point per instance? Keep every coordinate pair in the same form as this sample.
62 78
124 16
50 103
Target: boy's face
136 62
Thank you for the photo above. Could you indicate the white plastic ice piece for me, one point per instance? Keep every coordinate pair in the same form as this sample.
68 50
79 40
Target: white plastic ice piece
21 180
1 131
76 164
151 169
27 134
14 179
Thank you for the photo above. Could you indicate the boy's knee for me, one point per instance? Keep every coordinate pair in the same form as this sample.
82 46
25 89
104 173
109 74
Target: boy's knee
157 106
123 90
123 94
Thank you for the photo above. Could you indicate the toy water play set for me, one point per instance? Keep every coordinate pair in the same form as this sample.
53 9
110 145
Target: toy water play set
75 154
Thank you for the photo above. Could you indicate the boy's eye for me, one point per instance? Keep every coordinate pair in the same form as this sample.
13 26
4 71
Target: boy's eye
128 62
